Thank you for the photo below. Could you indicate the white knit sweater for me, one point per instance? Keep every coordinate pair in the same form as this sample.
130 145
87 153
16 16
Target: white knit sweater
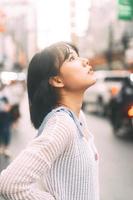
61 159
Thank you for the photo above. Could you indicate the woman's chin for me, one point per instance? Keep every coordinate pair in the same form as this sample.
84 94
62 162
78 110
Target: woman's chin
92 83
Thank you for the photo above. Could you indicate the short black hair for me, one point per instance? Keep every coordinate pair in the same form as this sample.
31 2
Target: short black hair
43 97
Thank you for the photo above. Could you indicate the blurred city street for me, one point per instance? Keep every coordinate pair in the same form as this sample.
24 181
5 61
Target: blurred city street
116 161
116 168
103 33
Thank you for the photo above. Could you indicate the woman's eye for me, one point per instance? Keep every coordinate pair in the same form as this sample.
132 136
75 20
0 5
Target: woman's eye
72 58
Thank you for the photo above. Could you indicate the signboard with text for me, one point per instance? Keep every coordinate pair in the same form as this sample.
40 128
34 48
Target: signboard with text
125 9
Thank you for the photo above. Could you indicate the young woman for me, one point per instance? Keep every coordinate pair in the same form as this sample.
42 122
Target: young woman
62 158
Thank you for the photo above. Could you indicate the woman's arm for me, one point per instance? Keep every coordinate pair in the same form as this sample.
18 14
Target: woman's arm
17 180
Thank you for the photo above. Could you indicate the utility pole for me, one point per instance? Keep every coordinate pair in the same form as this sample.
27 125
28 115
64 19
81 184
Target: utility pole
109 53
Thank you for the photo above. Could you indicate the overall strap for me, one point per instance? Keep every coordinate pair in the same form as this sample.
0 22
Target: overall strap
76 121
48 116
60 109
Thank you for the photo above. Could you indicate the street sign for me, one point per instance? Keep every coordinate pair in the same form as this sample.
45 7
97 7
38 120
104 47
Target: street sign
125 9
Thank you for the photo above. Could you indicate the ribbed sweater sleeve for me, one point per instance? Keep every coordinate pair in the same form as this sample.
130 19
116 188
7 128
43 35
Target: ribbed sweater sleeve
16 181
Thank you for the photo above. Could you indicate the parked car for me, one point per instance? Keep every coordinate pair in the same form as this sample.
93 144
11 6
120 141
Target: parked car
108 84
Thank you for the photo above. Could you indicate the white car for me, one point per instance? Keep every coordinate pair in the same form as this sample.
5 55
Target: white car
108 83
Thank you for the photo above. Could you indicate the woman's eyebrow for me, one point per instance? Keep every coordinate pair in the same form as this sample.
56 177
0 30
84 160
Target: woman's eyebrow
70 54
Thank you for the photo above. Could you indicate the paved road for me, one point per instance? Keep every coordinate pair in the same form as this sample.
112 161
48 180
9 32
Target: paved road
116 156
116 161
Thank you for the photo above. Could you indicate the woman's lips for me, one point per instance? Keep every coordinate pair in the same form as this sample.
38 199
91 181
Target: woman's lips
90 72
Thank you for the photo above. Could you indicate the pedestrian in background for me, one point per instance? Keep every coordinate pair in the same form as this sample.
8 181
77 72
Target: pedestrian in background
14 92
5 125
63 157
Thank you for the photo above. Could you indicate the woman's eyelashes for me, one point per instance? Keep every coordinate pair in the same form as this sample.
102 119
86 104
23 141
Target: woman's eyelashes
72 57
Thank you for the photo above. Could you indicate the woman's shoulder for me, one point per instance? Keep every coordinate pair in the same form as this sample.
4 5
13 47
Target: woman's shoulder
61 116
56 120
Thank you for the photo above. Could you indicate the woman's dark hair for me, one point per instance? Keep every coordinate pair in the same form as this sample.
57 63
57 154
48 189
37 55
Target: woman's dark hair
43 97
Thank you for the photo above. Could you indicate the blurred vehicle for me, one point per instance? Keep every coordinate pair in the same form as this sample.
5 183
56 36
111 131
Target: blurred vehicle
6 77
121 109
108 84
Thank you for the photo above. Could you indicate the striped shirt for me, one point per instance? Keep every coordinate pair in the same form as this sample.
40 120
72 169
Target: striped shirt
60 164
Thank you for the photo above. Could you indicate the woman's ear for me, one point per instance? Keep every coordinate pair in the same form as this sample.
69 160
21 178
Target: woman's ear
56 81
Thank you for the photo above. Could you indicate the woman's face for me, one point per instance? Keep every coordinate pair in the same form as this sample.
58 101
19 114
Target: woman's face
76 73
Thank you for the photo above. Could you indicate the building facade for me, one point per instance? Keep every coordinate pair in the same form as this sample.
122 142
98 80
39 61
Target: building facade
18 36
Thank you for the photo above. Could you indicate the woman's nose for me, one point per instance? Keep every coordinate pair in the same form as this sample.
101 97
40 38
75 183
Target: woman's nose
86 64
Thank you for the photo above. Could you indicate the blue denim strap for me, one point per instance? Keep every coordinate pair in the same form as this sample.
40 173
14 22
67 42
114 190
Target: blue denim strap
60 109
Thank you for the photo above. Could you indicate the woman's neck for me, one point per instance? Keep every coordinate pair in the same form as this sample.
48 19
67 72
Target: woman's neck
72 101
